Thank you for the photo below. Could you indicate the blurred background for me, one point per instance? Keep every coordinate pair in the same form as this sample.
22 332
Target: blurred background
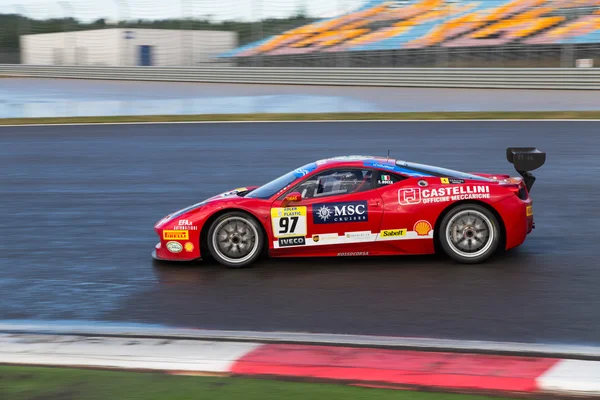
337 33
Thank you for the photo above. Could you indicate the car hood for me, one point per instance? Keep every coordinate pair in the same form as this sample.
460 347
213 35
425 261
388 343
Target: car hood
230 193
221 196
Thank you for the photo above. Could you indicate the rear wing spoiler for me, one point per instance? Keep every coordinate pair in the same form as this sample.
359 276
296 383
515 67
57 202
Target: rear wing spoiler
525 160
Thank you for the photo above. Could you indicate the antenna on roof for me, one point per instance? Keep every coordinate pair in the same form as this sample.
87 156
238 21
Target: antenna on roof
388 157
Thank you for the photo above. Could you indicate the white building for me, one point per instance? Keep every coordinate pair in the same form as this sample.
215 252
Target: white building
126 47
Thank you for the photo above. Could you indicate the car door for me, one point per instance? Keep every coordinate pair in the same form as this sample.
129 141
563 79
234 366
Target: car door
339 213
407 226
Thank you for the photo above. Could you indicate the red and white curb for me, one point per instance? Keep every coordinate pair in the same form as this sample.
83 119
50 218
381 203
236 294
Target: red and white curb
365 366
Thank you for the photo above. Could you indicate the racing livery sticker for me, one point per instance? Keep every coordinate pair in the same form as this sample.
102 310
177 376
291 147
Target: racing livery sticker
391 166
185 225
422 228
529 211
174 247
385 180
445 194
176 235
409 196
189 247
344 158
358 235
392 233
234 191
292 241
333 213
325 237
305 170
354 254
288 221
447 181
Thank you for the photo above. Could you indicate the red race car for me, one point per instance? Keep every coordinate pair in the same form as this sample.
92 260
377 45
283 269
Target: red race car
359 206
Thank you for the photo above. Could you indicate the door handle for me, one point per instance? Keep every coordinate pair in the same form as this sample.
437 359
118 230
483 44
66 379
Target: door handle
374 204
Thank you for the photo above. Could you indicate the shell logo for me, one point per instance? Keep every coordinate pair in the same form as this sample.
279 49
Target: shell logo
189 247
422 228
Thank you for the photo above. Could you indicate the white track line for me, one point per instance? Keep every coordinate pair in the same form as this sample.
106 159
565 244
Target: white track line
303 121
126 353
573 351
572 377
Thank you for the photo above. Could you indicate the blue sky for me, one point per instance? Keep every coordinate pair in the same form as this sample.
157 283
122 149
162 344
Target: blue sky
156 9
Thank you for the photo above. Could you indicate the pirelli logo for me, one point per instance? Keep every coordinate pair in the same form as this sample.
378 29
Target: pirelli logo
176 235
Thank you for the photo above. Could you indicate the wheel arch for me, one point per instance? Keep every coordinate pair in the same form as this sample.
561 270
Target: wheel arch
209 221
445 211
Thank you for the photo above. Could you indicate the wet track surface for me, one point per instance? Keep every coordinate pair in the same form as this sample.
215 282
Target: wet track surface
79 205
30 97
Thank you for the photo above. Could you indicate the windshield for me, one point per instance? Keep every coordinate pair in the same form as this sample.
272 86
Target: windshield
268 190
437 171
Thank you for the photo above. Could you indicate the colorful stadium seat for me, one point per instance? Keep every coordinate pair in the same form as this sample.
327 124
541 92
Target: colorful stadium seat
410 24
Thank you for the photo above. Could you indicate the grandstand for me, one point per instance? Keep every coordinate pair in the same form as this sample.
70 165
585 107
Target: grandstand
482 33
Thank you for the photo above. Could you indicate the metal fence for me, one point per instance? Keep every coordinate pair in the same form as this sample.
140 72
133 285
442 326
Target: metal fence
506 78
257 21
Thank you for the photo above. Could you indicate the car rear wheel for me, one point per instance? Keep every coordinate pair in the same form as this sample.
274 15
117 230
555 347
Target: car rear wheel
235 240
469 234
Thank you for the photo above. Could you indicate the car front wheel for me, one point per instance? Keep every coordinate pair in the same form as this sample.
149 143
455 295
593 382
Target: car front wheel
469 234
235 240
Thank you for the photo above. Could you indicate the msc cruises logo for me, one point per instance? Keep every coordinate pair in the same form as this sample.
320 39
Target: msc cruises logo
332 213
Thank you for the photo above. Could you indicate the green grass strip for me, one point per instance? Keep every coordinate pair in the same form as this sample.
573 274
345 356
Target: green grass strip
310 117
34 383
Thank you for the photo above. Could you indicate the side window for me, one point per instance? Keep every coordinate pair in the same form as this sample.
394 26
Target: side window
336 182
387 178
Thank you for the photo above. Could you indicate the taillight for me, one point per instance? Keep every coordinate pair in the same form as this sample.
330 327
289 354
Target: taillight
519 191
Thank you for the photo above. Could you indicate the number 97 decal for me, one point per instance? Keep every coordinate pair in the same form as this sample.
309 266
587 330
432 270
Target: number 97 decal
288 221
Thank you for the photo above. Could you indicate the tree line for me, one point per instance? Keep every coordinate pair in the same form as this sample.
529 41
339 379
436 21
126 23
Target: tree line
12 26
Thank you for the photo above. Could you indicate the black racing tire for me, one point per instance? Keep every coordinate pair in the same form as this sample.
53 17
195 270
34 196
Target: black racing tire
469 234
235 239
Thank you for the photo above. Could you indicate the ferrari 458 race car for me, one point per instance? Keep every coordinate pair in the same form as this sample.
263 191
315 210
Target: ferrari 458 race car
359 206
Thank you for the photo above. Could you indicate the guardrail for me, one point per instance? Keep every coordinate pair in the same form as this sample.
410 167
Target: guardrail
501 78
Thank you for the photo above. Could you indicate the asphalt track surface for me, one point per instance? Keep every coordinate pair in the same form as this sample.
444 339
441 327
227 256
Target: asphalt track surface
79 204
31 97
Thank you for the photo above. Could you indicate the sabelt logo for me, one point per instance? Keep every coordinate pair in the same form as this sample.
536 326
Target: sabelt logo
393 232
292 241
176 235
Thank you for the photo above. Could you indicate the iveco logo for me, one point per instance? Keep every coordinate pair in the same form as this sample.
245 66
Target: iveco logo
292 241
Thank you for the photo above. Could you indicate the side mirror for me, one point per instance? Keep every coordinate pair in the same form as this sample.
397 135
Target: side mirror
292 198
